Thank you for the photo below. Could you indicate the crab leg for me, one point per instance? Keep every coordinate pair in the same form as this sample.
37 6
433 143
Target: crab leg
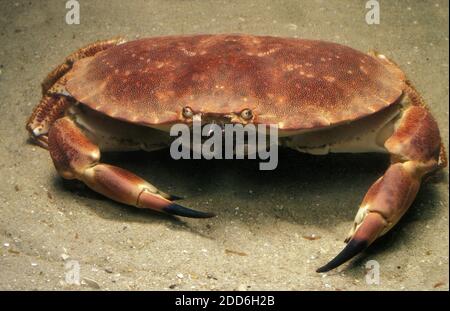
54 103
89 50
416 150
75 156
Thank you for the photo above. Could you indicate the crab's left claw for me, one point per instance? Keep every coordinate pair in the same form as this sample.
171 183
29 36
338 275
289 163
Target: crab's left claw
416 151
366 228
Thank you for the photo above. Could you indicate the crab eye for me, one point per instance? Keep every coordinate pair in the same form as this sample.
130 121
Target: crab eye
246 114
187 112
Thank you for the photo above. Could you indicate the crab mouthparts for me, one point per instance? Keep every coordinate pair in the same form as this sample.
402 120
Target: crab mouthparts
208 129
209 125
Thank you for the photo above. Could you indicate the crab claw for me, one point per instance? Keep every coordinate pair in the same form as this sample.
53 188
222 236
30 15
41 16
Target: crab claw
175 209
367 227
76 156
173 197
384 204
416 151
170 197
156 202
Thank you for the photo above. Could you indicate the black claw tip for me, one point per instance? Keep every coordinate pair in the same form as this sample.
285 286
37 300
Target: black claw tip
173 197
179 210
353 248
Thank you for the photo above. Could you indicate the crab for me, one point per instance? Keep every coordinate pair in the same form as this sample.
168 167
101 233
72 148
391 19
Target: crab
324 97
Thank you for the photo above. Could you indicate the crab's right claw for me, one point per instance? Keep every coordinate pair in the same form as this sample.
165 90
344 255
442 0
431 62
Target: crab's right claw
174 197
156 202
125 187
76 157
176 209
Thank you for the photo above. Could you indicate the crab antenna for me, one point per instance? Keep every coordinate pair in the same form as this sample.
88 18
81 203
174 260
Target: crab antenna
353 248
175 209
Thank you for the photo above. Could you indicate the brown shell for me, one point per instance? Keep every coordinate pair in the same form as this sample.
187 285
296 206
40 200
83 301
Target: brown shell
297 84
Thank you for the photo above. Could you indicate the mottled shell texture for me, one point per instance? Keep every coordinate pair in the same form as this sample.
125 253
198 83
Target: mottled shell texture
297 84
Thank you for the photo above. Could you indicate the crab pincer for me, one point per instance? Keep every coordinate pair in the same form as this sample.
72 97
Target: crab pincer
76 157
416 151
